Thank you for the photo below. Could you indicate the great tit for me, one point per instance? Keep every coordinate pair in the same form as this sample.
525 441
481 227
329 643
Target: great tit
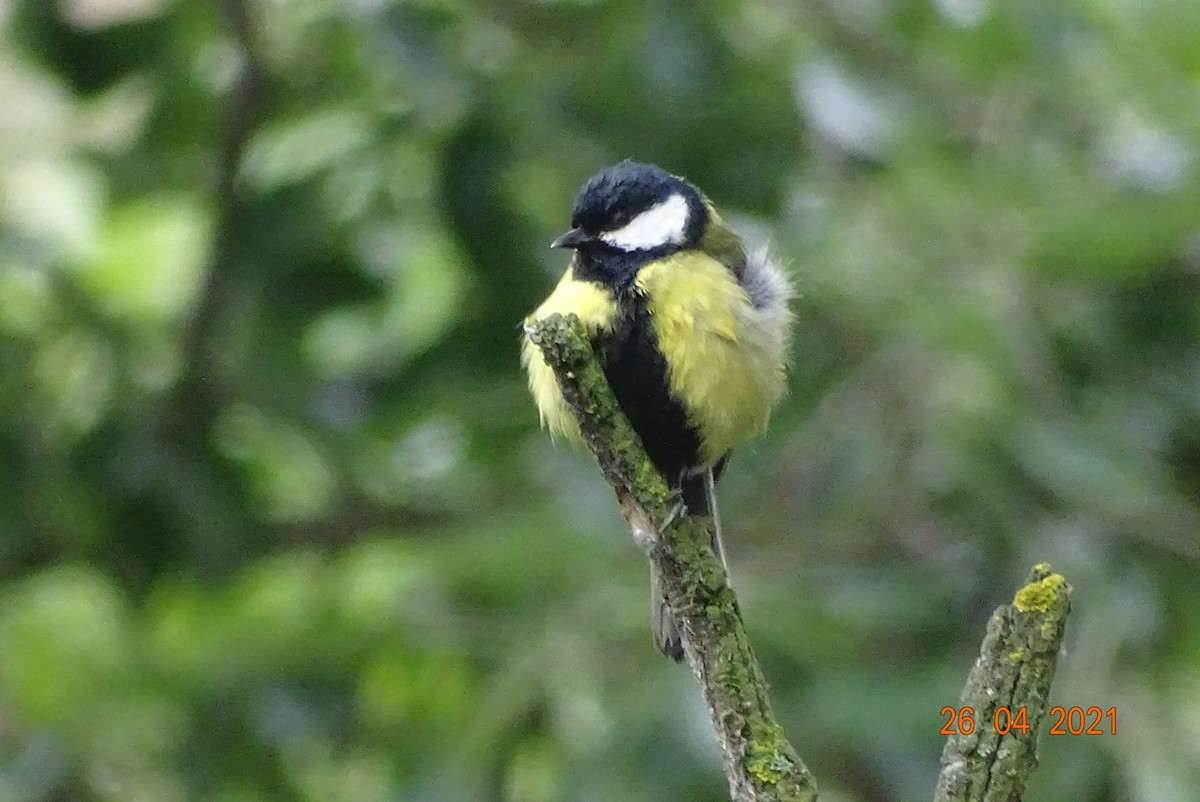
691 328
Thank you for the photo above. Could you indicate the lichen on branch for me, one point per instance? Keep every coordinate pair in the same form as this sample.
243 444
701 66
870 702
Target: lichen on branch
759 763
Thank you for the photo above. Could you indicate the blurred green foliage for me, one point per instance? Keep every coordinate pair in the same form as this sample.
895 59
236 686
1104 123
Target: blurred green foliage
276 522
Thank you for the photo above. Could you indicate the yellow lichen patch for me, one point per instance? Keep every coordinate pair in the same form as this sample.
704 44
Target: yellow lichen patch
766 761
763 770
1036 597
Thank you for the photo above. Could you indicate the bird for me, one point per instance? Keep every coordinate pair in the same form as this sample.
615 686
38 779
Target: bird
691 328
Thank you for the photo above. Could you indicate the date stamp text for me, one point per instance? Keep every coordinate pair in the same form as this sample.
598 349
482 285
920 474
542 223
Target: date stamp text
1063 720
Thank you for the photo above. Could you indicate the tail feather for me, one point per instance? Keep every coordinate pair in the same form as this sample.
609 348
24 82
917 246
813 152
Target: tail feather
662 622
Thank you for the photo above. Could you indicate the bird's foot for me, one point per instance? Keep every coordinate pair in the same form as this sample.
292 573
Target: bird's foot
677 511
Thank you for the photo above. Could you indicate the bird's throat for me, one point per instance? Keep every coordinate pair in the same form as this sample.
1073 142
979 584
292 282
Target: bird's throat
612 268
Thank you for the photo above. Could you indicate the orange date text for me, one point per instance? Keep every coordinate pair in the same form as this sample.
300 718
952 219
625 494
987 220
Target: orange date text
1063 720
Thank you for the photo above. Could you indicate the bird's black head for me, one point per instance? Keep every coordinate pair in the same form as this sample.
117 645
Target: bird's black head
633 212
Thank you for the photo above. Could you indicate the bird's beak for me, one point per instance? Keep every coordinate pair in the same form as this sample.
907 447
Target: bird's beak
573 239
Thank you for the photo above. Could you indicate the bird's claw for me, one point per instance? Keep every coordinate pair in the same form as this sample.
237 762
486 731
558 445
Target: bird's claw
677 511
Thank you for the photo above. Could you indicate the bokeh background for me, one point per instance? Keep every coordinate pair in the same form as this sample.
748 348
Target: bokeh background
276 520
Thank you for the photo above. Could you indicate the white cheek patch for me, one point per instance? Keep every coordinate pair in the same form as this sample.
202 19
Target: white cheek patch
661 224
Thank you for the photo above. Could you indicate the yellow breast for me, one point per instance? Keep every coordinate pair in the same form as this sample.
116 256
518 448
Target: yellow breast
724 362
596 308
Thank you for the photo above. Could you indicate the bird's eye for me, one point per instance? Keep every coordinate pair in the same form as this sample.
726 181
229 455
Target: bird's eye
620 219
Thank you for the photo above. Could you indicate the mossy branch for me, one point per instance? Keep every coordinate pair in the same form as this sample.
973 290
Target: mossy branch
1015 668
760 764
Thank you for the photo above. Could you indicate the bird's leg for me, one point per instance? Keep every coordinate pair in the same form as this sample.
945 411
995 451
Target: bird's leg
710 491
677 511
679 508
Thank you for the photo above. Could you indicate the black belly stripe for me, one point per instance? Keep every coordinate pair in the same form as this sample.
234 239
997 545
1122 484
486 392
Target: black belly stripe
637 373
